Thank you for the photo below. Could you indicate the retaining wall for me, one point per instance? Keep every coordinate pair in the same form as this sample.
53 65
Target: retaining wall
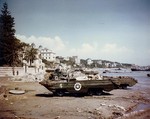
19 71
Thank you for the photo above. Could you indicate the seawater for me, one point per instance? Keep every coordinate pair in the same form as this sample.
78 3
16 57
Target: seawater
143 84
140 76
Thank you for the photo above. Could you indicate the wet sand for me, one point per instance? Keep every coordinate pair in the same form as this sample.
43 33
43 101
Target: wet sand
39 103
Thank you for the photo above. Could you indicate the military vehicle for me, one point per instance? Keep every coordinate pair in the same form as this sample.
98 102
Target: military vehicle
90 83
122 82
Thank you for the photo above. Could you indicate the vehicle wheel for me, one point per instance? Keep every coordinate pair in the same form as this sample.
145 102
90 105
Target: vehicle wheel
90 92
59 93
123 86
99 92
77 86
56 78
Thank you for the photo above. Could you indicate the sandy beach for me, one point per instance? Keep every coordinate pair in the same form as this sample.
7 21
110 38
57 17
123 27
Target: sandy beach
39 103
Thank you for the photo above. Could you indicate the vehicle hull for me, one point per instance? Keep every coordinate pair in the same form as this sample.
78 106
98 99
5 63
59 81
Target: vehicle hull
84 86
66 85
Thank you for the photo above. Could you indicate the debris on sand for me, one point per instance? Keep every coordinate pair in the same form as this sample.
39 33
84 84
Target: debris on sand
117 107
141 114
16 92
58 117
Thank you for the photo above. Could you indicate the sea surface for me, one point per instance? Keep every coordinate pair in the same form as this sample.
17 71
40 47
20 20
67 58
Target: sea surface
143 84
141 76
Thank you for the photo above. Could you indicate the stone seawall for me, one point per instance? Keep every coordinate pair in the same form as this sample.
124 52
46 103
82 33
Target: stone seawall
19 71
10 71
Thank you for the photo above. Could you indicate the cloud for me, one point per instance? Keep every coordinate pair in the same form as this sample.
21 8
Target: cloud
114 52
115 49
55 44
85 50
91 49
60 47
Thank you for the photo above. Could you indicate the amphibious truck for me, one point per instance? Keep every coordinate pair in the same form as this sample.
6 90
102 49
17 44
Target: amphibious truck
90 83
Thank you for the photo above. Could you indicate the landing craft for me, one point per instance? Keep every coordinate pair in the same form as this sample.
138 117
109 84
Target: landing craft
88 82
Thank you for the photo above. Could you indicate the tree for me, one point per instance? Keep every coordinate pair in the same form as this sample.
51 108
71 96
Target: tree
30 53
9 44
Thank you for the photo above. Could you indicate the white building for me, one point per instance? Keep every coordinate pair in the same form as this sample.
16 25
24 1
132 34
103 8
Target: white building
99 62
66 58
48 55
89 61
76 59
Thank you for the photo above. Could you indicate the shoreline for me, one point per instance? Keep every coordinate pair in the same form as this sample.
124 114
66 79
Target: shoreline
38 103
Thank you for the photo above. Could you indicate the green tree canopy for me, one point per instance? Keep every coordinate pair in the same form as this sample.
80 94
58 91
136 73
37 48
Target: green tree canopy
9 44
30 53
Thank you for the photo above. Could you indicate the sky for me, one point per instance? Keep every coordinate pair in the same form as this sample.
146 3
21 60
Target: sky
115 30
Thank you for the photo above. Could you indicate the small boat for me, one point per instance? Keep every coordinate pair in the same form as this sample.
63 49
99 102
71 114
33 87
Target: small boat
140 69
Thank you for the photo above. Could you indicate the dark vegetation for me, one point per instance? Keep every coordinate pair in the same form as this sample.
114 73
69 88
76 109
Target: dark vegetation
11 48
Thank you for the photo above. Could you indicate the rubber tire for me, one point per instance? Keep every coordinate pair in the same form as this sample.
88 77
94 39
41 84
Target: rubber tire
59 93
77 86
123 86
90 93
99 92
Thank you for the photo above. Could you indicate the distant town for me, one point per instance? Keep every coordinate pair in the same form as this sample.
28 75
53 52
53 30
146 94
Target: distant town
50 59
15 53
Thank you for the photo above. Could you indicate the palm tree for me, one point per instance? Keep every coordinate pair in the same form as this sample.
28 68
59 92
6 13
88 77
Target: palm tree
30 54
40 46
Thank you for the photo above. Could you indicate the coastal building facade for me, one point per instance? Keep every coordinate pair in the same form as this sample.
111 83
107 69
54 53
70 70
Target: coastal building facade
48 55
89 61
